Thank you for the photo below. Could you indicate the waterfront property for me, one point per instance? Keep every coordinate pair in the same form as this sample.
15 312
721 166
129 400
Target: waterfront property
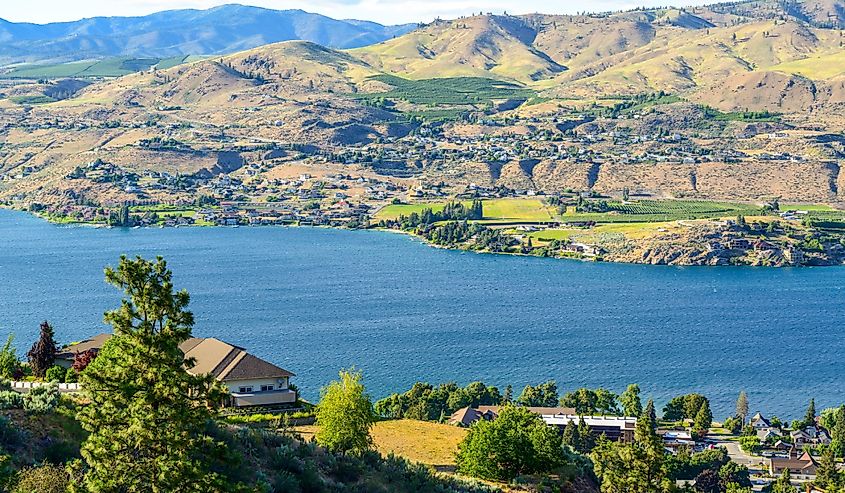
251 381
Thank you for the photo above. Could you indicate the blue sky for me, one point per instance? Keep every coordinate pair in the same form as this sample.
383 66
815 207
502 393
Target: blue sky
384 11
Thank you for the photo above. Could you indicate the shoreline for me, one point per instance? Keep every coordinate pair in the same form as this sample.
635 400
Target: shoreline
413 235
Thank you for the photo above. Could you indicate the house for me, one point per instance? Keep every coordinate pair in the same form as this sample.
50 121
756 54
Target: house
800 466
767 435
251 381
673 440
811 435
759 422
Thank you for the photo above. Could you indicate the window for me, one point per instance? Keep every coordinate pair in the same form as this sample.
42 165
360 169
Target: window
266 388
244 390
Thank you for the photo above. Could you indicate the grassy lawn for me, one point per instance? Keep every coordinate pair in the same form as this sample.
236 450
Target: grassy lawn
434 444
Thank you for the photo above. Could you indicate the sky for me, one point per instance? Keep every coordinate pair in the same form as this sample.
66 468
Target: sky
383 11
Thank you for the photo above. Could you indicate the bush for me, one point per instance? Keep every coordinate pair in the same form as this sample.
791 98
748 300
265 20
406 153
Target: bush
42 399
9 399
46 478
55 374
71 376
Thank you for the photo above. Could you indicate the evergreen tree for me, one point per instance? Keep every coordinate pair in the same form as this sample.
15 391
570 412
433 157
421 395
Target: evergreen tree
810 417
742 406
508 397
571 437
703 420
783 484
585 436
651 413
827 475
42 355
148 416
630 401
345 415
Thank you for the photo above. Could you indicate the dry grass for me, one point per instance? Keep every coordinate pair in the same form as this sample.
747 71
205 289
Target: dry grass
418 441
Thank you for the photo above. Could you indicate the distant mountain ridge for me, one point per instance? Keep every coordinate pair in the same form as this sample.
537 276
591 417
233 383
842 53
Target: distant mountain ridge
224 29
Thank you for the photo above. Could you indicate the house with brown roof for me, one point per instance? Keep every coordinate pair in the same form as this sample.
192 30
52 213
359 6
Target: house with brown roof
251 381
800 466
466 416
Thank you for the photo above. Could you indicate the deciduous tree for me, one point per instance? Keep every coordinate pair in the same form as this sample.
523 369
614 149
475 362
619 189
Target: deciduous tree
630 401
345 415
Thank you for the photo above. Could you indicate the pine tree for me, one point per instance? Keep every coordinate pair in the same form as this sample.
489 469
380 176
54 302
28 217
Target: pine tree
42 355
742 406
147 415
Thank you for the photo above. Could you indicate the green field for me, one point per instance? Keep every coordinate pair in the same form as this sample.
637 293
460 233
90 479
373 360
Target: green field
528 210
108 67
448 91
642 211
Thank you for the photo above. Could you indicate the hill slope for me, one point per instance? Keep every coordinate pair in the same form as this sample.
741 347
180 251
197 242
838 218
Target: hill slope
224 29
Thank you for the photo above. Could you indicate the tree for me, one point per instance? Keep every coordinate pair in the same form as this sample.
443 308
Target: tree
630 401
703 419
650 412
734 473
742 406
708 481
515 443
148 416
674 409
585 436
83 359
783 484
507 398
637 467
827 475
543 395
345 415
810 417
9 364
42 355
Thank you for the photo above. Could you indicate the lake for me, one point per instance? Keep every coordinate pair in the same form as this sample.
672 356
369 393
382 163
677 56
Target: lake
315 300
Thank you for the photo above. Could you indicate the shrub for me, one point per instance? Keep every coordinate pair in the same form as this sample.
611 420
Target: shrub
42 399
9 399
71 376
55 374
46 478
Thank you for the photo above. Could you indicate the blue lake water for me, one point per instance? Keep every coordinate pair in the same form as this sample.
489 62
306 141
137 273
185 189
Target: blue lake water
318 300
